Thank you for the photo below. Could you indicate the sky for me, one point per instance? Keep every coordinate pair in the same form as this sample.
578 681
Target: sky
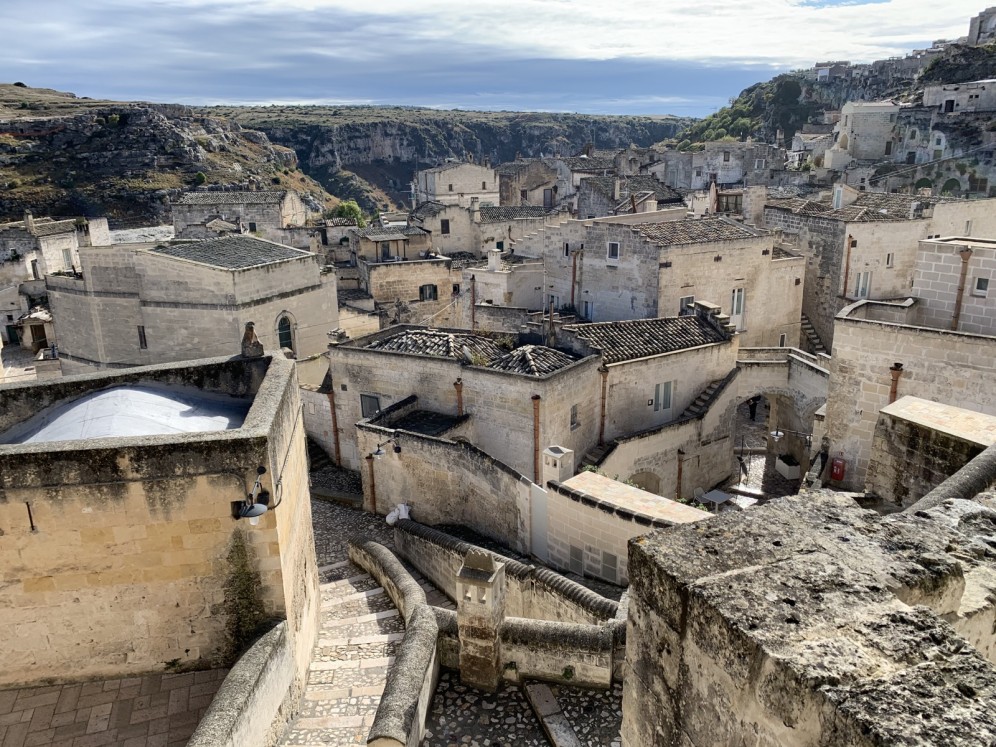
589 56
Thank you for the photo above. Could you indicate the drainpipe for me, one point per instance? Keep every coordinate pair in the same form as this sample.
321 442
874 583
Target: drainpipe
681 462
896 371
550 338
473 303
458 385
574 276
601 418
371 507
536 438
335 425
966 254
847 265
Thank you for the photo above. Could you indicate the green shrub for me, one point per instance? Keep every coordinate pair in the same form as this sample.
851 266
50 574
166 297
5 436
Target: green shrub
200 178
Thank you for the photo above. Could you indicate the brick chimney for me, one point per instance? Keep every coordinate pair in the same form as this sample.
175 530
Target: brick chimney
29 222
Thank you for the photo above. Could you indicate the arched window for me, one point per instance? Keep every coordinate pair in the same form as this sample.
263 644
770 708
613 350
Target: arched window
285 333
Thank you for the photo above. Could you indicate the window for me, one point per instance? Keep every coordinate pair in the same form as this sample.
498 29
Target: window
686 305
968 228
913 134
759 163
427 292
588 310
726 156
575 422
553 300
738 304
577 560
937 140
143 344
34 270
567 249
608 566
662 396
500 246
889 259
862 285
369 405
781 340
67 257
252 227
892 117
484 186
285 336
698 172
523 194
981 287
613 251
444 226
385 250
451 188
888 147
456 289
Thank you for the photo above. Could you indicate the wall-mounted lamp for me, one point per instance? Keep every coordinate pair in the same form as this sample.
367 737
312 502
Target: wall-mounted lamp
778 434
257 501
379 451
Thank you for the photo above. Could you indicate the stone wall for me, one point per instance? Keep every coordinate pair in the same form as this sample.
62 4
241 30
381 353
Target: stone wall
530 592
808 622
937 275
950 367
130 560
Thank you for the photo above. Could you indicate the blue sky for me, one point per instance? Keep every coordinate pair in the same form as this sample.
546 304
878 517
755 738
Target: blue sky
595 56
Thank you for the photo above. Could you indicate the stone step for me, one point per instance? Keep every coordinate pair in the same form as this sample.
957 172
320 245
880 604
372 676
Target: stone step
336 596
555 724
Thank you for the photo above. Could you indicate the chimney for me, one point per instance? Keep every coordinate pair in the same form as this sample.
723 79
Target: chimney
475 210
251 346
494 260
558 464
616 189
29 222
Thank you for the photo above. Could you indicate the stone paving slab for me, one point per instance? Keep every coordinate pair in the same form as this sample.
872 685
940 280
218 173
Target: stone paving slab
160 710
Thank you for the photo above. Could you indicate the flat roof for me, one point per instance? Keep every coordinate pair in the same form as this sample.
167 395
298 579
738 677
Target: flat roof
965 425
147 409
632 499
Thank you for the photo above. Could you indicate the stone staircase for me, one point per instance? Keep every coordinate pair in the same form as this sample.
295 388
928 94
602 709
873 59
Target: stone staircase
359 633
597 455
701 403
317 457
813 341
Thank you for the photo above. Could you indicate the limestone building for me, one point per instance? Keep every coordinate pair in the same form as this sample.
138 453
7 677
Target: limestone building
478 228
139 304
201 214
35 247
131 560
865 132
457 183
602 196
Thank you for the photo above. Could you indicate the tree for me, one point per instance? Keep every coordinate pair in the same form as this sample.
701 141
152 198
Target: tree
348 209
199 178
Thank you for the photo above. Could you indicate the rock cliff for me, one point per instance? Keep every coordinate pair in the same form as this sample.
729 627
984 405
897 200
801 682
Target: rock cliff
62 155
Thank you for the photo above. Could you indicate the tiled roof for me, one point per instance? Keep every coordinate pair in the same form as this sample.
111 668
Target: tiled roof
231 252
782 253
230 198
641 338
869 207
649 183
345 295
428 209
493 214
695 231
390 233
51 228
580 163
532 360
339 222
440 344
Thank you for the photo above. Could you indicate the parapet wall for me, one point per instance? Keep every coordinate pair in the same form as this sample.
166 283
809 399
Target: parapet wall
809 622
530 592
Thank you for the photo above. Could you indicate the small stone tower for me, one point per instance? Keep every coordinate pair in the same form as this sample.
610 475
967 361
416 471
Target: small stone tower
480 611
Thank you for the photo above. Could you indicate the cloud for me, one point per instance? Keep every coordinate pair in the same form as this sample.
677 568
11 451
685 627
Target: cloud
564 55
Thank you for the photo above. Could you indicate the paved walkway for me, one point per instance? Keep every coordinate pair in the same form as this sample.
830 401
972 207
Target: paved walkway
152 711
18 364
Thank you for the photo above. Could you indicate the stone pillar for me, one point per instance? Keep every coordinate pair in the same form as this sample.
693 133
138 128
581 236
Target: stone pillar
480 592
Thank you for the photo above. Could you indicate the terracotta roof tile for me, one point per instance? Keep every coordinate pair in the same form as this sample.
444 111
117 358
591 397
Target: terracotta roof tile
696 231
217 197
231 252
641 338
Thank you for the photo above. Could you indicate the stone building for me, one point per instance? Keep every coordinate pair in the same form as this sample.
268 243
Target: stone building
196 215
865 245
982 28
139 304
609 269
725 163
954 282
600 196
387 244
957 98
131 560
866 132
457 183
477 228
888 349
528 182
35 247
